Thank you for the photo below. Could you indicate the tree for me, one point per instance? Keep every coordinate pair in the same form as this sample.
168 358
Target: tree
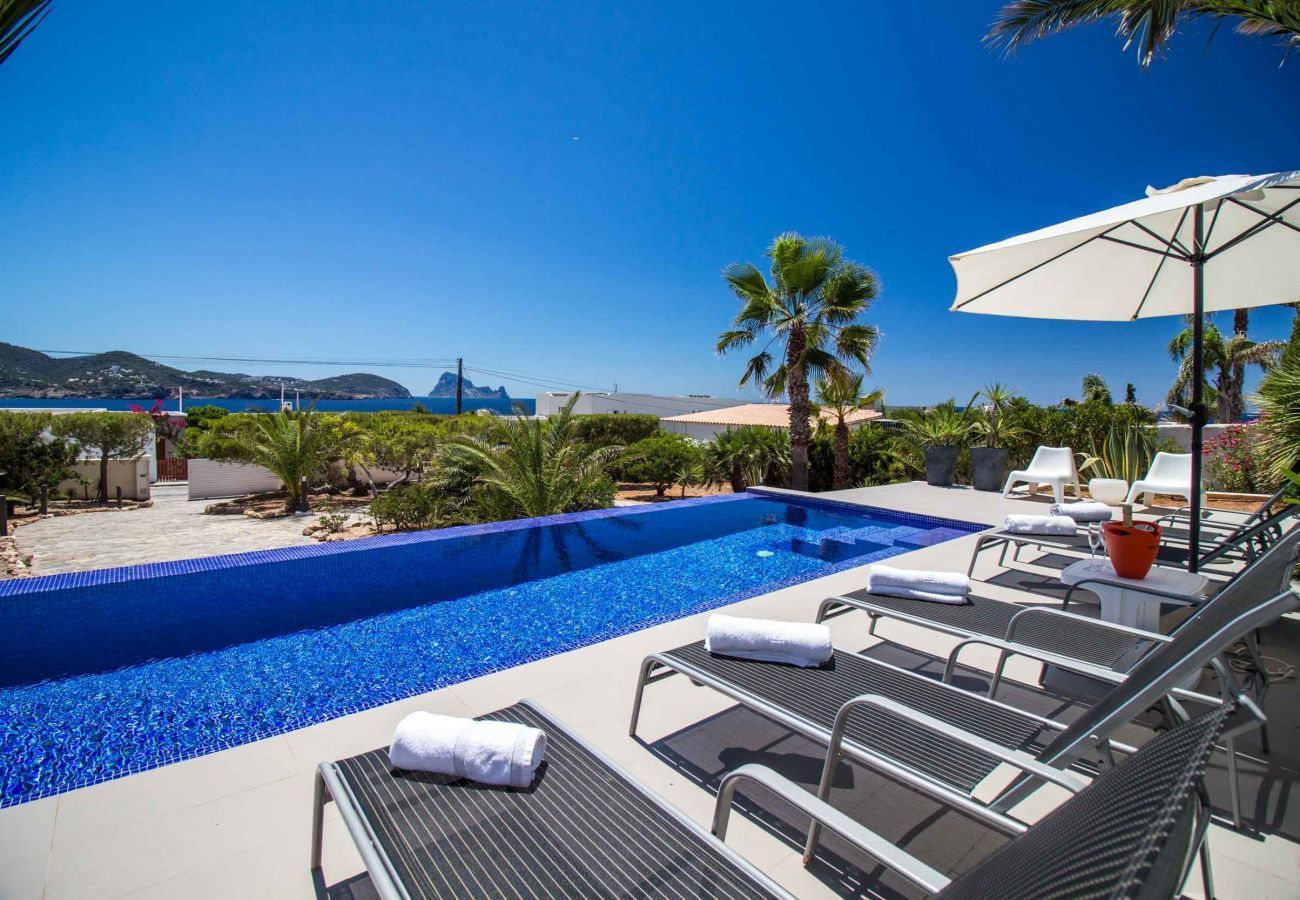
528 467
31 457
399 442
1149 23
294 445
750 455
1130 393
809 311
111 435
1240 351
1095 389
1229 357
659 459
1279 414
840 395
17 19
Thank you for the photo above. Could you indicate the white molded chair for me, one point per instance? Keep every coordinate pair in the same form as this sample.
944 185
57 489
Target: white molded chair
1170 473
1050 465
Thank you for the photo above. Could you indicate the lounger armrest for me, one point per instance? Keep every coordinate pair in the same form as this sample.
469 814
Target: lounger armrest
1032 611
1101 673
1017 758
905 864
1166 596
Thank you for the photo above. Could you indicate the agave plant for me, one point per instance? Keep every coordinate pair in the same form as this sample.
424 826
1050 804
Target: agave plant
529 467
1125 453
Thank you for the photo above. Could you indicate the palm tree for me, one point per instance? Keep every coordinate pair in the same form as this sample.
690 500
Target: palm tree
1149 23
530 467
17 19
1095 388
809 311
1241 351
292 444
1229 357
840 395
749 455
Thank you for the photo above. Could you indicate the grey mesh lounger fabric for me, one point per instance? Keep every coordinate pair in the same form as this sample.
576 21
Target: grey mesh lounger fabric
582 829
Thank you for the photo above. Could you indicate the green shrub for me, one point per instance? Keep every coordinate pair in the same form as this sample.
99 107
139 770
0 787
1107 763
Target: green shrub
608 429
658 460
406 507
751 455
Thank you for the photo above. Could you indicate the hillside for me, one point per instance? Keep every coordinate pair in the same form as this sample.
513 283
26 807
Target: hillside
446 387
30 373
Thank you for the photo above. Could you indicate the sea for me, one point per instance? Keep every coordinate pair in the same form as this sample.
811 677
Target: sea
438 405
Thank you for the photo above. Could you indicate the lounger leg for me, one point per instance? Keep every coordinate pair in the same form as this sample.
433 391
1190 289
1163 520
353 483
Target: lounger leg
823 793
647 667
996 681
318 821
871 628
1234 789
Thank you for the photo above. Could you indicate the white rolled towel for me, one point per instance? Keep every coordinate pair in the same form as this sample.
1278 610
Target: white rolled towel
499 753
1085 511
1056 525
953 583
797 643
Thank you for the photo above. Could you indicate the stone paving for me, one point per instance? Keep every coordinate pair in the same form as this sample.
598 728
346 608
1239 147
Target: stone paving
173 528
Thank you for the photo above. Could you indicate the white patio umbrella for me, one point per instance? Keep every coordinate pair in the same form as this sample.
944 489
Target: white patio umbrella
1203 245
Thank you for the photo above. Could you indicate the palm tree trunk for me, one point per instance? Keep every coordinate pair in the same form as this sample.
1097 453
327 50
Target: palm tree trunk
1237 384
800 408
841 471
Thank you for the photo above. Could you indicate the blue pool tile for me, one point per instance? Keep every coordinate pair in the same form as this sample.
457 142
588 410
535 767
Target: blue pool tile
111 672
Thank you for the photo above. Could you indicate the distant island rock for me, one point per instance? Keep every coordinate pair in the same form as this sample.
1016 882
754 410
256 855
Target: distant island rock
31 373
446 387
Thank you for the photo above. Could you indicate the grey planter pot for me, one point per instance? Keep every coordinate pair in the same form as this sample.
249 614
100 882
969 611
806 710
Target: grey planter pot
940 465
988 467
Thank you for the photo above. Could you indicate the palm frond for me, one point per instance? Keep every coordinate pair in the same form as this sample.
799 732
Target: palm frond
17 20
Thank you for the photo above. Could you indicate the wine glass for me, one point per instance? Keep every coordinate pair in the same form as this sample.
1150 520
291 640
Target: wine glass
1096 541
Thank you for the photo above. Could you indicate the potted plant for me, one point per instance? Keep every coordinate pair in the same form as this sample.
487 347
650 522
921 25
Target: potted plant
940 433
988 456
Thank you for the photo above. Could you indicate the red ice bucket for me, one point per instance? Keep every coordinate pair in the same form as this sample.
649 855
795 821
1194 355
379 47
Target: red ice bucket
1132 548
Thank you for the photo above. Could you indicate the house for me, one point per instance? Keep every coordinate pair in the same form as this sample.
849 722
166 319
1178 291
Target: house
550 403
706 424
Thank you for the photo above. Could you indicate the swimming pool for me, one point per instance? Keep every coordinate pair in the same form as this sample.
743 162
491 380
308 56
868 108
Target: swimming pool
115 671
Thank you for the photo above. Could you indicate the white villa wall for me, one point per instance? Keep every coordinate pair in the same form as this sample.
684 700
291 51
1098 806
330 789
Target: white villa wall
1183 433
131 475
210 480
589 403
697 430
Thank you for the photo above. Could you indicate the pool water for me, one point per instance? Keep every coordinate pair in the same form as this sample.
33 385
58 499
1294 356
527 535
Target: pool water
111 672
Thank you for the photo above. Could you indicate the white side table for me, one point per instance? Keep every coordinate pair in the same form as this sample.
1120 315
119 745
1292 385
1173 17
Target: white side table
1121 604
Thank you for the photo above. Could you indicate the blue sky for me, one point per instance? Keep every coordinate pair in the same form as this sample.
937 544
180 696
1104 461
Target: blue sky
553 189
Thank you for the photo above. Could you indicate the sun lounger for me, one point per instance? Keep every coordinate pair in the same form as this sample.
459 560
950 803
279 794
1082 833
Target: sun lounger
584 828
1052 466
1220 550
1059 637
896 721
1135 831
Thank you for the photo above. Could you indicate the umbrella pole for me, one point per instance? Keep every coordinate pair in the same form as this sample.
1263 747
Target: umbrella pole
1198 361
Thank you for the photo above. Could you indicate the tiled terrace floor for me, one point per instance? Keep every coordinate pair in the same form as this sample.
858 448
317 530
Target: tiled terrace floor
236 823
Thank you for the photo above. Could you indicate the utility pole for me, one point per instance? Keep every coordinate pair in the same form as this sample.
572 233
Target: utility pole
460 379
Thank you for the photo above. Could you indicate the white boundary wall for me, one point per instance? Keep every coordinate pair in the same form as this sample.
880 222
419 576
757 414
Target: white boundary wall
210 479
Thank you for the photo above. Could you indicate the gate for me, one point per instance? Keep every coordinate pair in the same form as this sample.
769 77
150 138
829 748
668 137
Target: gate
173 469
